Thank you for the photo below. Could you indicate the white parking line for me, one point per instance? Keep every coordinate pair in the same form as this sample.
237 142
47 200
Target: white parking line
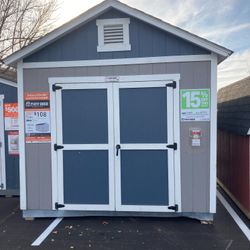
46 233
234 215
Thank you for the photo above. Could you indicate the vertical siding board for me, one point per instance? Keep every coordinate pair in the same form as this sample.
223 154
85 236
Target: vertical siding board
45 184
202 80
33 176
158 42
186 169
174 68
159 68
132 69
172 46
202 77
145 41
92 39
146 69
187 155
93 71
134 35
106 71
119 70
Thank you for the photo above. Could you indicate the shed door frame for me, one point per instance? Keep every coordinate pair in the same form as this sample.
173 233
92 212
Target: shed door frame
68 147
145 146
114 80
2 148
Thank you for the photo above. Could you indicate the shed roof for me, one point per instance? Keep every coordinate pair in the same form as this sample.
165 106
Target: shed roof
222 52
234 107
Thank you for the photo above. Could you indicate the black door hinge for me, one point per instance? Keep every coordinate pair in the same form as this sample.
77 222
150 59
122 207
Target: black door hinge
57 205
55 87
56 147
1 186
175 207
172 85
173 146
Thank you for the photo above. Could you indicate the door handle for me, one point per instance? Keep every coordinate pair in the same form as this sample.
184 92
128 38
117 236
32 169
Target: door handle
118 147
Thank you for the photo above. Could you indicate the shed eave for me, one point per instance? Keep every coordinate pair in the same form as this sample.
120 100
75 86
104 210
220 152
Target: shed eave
8 82
221 51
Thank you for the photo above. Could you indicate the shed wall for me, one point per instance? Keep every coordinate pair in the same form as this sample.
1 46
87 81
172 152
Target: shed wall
11 161
233 167
195 162
145 39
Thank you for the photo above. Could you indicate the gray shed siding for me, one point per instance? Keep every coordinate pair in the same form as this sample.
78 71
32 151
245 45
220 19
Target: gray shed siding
11 161
195 162
146 41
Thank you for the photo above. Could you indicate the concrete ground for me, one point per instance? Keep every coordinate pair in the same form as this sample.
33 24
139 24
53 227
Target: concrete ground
119 233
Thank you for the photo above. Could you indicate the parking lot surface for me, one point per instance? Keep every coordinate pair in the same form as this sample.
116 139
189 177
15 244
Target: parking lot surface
119 233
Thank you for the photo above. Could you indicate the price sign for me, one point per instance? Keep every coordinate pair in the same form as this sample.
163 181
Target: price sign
37 117
195 104
11 116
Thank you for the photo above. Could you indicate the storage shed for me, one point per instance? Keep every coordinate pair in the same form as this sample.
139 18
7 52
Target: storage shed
118 117
234 142
9 158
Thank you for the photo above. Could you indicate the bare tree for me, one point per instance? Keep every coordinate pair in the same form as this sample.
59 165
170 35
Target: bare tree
22 22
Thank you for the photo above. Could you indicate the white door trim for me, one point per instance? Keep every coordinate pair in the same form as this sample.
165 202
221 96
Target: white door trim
213 135
2 148
22 157
137 80
58 156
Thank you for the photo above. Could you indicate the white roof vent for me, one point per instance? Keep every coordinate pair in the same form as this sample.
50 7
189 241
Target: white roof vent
113 34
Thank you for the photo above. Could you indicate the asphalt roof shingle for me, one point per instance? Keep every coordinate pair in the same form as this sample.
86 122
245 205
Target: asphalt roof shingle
234 107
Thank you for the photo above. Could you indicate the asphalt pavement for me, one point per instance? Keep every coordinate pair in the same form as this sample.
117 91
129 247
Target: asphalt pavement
119 232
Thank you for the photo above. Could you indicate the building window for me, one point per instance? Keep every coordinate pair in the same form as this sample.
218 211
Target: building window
113 34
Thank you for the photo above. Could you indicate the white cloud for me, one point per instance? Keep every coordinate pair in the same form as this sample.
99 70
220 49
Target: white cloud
234 68
225 30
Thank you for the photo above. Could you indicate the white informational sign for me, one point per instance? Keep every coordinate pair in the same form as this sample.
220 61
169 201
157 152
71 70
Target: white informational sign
195 104
196 142
13 143
37 122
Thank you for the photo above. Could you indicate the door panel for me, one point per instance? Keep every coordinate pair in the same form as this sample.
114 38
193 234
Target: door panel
85 130
143 116
85 116
86 171
144 163
144 177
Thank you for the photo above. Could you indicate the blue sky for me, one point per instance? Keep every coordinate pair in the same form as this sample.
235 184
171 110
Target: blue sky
226 22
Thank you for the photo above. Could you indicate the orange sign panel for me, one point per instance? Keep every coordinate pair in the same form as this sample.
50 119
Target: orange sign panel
11 116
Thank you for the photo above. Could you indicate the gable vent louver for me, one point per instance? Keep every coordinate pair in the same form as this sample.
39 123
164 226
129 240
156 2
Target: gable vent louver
113 34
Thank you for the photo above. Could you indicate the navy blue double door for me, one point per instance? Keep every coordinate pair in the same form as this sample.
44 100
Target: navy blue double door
115 154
